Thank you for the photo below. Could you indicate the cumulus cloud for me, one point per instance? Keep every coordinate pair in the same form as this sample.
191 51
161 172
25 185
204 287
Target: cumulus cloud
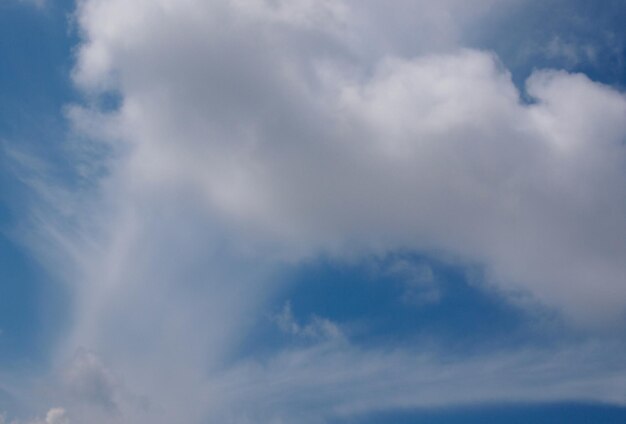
251 135
291 137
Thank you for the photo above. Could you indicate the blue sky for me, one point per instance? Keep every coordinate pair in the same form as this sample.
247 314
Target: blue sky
315 212
35 85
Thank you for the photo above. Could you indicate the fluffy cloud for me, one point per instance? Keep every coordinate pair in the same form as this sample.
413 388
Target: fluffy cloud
254 134
295 137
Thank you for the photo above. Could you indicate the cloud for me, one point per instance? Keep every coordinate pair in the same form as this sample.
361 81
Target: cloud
294 140
318 328
53 416
89 380
268 133
57 416
321 383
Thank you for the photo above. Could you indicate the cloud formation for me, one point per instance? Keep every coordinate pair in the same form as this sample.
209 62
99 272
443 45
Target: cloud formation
89 380
53 416
56 416
251 135
293 136
327 381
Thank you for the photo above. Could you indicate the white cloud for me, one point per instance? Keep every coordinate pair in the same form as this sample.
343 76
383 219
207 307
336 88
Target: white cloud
57 416
292 140
318 328
257 133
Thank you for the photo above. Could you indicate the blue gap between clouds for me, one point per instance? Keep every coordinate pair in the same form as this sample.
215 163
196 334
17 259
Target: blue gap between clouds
522 33
370 304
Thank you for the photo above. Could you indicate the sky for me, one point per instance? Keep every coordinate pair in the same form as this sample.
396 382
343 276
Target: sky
312 211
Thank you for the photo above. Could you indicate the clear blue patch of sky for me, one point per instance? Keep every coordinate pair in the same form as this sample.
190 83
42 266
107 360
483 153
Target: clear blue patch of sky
369 301
370 296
